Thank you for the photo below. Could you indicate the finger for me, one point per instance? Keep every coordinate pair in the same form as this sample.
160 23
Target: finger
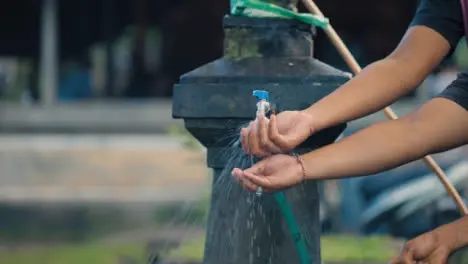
265 142
243 181
275 136
244 139
257 168
248 184
253 139
260 180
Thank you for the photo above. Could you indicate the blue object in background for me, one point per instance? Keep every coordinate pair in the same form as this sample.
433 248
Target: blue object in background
75 85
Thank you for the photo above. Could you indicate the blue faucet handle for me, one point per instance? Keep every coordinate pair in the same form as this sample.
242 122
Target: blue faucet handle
261 95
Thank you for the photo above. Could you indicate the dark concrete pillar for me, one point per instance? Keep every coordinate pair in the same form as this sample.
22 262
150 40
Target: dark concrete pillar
216 99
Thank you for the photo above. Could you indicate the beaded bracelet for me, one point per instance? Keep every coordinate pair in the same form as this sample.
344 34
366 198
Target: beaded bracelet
301 162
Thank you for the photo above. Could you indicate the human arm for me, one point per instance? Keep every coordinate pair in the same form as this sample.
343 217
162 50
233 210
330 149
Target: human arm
435 31
377 86
439 125
382 82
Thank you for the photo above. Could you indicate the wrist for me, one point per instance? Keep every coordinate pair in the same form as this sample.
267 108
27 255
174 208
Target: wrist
309 174
300 167
454 235
316 118
310 118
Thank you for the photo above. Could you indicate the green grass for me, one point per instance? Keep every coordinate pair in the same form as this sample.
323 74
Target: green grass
350 248
334 249
77 254
188 141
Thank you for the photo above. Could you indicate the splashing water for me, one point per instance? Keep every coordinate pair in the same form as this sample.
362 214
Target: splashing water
245 228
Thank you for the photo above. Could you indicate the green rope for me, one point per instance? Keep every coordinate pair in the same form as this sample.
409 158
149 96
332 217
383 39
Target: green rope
298 238
255 8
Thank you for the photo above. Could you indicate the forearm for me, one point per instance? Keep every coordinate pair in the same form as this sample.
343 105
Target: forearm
384 81
437 126
376 87
380 147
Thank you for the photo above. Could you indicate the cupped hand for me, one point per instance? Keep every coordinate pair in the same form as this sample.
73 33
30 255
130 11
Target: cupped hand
281 134
428 248
272 174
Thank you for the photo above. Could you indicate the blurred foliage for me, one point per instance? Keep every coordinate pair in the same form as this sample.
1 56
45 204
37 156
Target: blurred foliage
188 140
14 78
334 249
76 254
30 223
459 257
190 213
190 251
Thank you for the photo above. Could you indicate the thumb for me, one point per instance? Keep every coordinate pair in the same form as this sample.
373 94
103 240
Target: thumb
257 168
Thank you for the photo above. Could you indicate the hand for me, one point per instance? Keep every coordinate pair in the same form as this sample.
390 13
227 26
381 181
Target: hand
429 248
273 173
281 134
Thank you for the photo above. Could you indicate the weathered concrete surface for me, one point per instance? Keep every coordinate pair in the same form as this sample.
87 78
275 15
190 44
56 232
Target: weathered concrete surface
142 116
102 168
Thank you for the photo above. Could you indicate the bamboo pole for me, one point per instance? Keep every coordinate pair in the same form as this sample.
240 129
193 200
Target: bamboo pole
354 66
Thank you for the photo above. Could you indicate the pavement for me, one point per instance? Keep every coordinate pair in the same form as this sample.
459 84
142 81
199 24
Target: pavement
99 168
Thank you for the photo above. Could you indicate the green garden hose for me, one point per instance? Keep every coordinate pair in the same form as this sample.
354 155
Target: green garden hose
263 106
294 230
255 8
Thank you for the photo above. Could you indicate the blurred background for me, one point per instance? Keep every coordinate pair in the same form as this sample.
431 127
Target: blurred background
93 169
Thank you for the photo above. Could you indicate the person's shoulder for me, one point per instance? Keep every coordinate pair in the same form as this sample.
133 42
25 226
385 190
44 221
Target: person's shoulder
439 9
443 16
449 5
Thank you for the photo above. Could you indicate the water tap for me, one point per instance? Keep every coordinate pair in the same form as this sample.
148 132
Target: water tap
263 107
263 104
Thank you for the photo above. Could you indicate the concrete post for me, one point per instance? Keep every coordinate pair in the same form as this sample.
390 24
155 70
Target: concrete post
48 67
216 99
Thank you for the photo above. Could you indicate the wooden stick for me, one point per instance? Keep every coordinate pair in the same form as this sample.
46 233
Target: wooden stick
352 63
